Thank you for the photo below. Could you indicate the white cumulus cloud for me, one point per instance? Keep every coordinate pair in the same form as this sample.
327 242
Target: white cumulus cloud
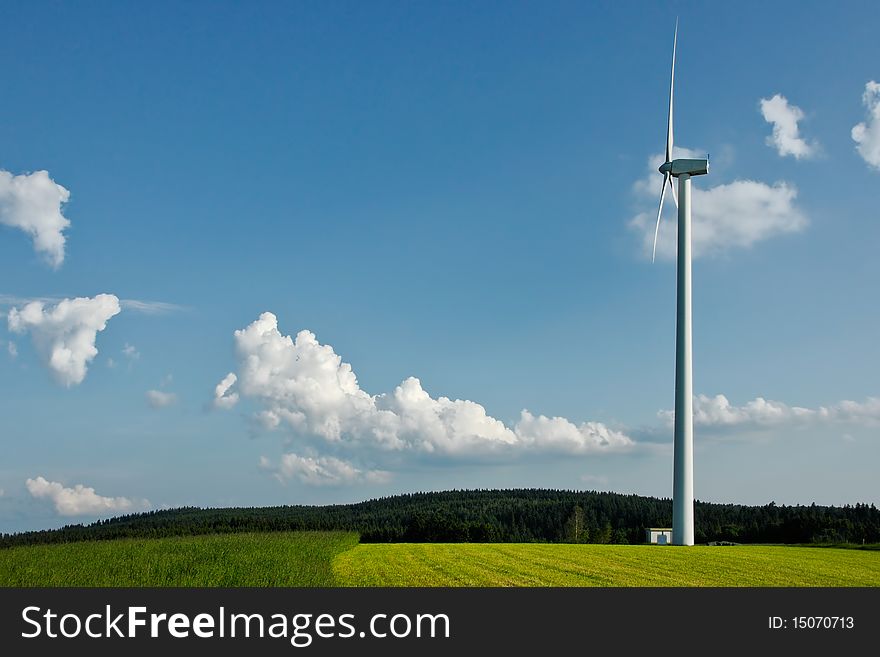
305 387
322 471
717 411
64 334
159 399
32 203
867 134
223 398
866 412
81 500
561 435
738 214
786 138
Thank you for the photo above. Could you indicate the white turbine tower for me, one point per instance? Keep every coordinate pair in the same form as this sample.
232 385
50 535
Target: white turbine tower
683 442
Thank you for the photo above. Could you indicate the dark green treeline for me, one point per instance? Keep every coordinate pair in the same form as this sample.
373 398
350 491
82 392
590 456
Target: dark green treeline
528 515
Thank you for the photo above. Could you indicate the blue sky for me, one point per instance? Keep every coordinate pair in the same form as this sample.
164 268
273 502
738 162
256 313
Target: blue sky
447 191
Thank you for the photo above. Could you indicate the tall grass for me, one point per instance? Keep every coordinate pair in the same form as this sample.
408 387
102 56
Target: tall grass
269 559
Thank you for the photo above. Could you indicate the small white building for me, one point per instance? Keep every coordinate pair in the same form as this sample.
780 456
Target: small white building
660 535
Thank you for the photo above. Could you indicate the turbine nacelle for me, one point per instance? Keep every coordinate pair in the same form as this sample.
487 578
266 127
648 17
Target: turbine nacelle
690 167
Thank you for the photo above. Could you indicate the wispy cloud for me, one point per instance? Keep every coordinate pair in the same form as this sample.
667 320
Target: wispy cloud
7 300
594 480
131 305
158 399
867 134
786 138
130 352
151 307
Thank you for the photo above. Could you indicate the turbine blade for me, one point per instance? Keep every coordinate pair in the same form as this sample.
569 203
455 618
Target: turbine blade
659 211
669 138
672 189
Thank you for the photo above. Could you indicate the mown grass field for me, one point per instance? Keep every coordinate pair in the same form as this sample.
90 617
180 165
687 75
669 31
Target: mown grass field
277 559
336 559
426 564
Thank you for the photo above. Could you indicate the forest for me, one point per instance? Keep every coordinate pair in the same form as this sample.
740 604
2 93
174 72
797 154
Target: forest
489 516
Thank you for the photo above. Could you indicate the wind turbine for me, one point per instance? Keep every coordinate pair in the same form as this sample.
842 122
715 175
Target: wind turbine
683 441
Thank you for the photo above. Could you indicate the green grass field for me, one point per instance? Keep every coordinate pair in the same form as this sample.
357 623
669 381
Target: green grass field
336 559
277 559
422 564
